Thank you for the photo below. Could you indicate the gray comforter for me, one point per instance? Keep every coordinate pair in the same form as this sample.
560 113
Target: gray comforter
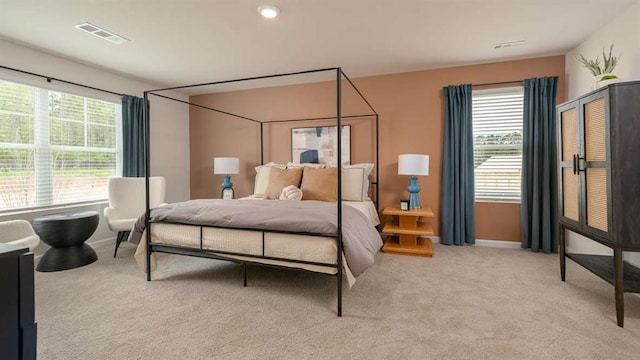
361 241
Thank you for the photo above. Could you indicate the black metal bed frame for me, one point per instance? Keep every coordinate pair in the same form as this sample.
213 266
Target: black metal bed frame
223 255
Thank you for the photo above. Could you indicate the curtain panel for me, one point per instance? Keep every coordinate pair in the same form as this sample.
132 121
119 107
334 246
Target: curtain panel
133 110
458 199
539 180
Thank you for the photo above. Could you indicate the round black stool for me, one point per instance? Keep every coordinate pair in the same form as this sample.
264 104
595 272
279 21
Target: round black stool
66 234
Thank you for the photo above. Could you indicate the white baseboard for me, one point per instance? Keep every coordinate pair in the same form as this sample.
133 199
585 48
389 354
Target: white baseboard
486 243
434 239
498 244
93 244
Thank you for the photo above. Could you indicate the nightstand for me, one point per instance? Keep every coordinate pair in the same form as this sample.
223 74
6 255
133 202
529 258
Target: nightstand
406 228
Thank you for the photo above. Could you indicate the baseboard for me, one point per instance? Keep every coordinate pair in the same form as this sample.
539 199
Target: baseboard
503 244
93 244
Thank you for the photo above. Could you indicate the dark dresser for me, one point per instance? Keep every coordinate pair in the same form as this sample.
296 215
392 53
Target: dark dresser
17 326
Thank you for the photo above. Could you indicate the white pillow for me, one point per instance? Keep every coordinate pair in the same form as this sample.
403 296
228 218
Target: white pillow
262 177
355 181
291 193
291 165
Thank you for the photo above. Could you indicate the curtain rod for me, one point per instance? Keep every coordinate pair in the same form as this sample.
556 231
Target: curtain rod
499 83
49 79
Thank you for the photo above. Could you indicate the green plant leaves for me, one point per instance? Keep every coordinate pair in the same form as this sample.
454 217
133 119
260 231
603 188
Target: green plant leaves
610 63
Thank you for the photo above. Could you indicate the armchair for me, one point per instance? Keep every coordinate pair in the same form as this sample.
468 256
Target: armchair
127 201
19 233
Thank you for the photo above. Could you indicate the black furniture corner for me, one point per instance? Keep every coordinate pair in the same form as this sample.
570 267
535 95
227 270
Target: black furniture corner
66 234
599 172
18 329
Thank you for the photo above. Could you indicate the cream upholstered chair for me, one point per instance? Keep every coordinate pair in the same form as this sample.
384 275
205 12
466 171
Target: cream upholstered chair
127 201
19 233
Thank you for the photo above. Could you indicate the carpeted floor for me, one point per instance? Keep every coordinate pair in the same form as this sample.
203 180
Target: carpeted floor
465 303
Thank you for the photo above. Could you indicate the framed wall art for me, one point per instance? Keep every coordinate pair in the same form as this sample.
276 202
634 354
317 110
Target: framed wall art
319 145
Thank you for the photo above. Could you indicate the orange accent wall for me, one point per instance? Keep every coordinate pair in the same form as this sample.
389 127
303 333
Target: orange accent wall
411 121
498 221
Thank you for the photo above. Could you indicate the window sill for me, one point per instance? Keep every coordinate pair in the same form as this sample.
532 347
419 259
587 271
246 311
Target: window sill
496 201
69 207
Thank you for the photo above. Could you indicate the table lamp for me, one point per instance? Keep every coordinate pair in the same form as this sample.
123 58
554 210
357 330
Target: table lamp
413 165
226 166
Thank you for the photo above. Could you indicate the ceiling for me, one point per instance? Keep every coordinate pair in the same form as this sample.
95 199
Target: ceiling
176 42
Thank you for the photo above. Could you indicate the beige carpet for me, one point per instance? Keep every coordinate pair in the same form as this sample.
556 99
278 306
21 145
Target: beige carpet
465 303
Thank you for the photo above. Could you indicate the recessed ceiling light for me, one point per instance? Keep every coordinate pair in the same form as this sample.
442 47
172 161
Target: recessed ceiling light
101 33
268 11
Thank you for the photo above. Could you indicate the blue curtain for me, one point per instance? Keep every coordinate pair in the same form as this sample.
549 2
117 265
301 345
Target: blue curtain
538 206
458 200
133 109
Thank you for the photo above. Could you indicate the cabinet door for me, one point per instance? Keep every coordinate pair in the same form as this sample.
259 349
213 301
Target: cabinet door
594 162
568 176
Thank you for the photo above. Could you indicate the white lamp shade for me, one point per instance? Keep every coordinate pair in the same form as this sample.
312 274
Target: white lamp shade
413 164
226 165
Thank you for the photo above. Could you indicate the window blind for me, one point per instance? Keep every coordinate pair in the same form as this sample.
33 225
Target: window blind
497 142
56 148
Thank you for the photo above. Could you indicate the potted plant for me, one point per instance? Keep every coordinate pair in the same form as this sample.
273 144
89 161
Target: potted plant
601 75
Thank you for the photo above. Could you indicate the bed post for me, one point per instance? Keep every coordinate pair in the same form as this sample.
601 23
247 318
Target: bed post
377 162
339 203
147 167
261 144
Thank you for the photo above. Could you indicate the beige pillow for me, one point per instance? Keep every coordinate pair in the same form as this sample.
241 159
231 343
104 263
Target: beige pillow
262 177
355 182
280 179
319 184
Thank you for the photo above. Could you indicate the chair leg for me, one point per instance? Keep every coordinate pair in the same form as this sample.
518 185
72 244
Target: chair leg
245 274
122 235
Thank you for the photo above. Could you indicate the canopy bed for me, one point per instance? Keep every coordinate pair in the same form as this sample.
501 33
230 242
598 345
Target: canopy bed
329 232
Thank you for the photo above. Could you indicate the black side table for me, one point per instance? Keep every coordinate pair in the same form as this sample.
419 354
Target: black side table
66 234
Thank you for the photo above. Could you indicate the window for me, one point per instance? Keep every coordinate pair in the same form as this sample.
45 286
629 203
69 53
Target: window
497 143
55 148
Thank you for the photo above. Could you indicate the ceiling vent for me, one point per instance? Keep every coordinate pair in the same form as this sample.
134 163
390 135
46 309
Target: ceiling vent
508 44
101 33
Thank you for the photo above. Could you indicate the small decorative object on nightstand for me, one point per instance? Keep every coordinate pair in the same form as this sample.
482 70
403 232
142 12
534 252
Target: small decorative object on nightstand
404 204
413 164
226 166
406 231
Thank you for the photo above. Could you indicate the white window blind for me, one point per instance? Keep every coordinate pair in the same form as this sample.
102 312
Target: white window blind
55 148
497 143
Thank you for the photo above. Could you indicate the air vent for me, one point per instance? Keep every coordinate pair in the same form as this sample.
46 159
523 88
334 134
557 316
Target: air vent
101 33
508 44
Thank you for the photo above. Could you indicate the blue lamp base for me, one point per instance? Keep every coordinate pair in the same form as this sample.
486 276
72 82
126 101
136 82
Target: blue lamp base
226 183
414 189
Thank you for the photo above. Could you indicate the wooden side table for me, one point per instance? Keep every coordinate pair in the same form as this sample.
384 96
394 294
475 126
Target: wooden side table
406 231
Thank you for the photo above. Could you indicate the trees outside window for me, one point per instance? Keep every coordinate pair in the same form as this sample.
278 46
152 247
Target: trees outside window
55 148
